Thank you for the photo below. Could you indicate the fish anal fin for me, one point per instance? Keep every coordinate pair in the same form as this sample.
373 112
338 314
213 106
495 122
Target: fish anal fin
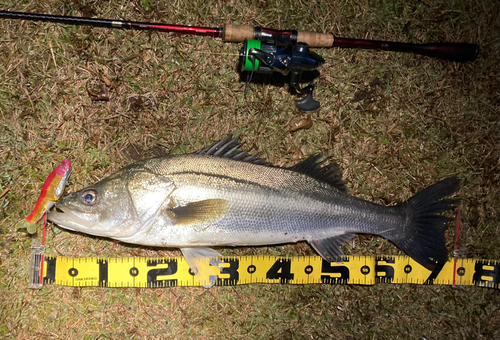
329 248
204 263
199 212
313 167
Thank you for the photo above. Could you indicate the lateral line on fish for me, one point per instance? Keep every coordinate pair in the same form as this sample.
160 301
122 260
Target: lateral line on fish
228 178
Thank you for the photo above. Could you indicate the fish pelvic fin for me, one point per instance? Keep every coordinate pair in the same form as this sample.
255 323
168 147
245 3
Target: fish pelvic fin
422 237
198 213
204 264
329 248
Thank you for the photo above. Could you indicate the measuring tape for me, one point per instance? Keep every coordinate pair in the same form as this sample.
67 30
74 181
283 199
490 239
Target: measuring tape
240 270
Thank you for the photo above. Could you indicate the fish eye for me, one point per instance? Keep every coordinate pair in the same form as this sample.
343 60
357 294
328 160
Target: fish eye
89 197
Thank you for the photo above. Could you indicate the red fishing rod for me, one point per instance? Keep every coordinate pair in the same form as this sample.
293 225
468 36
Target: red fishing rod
192 30
268 50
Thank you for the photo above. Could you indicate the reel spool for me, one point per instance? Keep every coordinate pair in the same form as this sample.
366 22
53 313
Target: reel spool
266 58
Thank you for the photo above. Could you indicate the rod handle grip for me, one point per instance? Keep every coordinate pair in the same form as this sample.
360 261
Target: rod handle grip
314 39
235 33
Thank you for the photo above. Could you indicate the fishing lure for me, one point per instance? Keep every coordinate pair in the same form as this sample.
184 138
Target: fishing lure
52 189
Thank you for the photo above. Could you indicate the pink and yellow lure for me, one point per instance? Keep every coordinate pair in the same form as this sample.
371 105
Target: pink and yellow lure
52 189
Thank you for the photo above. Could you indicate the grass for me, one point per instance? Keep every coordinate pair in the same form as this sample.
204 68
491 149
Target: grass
396 123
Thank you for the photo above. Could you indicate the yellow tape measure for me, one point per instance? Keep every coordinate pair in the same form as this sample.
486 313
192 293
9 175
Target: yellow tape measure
239 270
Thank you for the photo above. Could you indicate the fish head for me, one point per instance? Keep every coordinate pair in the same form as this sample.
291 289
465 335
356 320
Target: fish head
104 209
117 207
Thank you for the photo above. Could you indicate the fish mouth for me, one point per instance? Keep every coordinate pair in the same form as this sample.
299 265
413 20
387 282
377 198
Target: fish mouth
68 219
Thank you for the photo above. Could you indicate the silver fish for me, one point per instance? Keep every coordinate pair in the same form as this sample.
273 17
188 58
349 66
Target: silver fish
223 196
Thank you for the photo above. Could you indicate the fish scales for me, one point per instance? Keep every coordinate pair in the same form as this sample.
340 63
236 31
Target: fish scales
269 205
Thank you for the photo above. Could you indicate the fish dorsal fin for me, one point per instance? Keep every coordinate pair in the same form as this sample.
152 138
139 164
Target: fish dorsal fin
329 248
198 213
229 147
330 174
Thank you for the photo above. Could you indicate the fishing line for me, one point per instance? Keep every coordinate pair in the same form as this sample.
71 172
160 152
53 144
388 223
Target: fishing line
215 53
44 231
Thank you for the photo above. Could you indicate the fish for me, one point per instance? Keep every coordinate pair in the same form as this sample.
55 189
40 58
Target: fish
222 195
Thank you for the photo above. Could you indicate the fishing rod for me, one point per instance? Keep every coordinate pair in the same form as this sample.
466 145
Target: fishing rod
268 50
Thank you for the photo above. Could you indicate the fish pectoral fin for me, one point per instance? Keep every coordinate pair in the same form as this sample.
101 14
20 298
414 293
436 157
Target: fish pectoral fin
198 213
204 264
329 248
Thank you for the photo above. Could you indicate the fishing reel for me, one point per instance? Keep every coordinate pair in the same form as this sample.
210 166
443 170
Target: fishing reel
288 58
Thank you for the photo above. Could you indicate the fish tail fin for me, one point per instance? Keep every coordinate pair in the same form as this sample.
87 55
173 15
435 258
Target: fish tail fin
422 237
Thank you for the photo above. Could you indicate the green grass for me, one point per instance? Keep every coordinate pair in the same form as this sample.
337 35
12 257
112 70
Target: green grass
396 123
